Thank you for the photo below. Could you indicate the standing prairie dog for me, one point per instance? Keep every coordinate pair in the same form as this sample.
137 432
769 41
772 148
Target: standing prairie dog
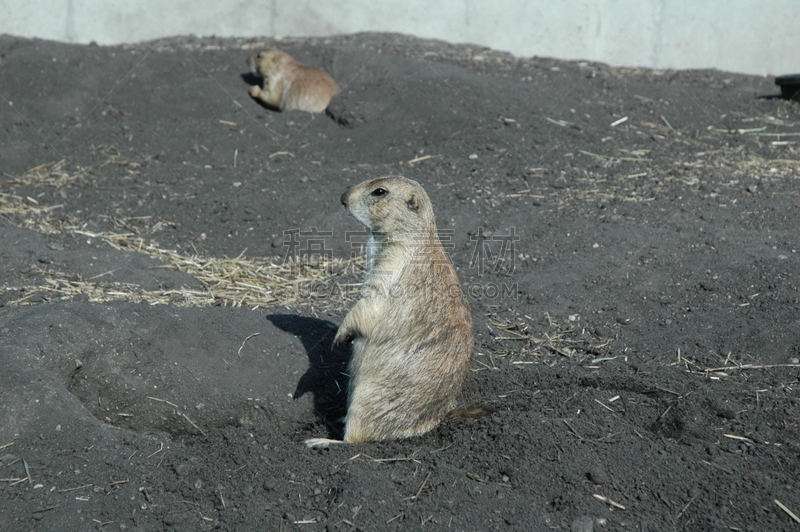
411 331
289 84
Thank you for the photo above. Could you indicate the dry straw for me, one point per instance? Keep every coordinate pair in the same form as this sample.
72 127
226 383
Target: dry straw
321 284
232 282
239 281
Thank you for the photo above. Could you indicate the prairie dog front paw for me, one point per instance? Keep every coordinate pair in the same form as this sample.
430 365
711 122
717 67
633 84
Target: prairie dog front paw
341 336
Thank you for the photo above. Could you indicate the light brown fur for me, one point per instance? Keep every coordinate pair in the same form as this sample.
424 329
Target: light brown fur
289 84
412 330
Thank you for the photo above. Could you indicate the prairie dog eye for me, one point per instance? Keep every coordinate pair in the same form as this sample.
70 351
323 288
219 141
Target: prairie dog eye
260 55
379 192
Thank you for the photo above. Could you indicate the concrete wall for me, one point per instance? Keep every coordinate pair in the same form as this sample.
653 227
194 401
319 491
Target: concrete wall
752 36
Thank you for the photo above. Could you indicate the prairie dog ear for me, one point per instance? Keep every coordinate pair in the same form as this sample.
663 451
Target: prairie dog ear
413 203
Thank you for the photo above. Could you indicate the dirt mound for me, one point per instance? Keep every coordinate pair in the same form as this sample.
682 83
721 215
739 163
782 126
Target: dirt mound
628 240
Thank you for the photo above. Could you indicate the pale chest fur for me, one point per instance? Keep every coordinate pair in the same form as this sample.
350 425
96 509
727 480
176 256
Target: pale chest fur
386 262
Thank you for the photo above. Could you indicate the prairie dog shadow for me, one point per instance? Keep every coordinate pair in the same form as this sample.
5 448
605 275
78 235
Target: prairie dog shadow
326 377
252 79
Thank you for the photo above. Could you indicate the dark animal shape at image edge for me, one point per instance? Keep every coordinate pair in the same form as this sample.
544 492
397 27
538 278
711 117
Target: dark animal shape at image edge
326 377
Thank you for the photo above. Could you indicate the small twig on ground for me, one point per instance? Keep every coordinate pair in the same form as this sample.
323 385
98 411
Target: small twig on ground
751 366
162 401
158 451
398 516
221 499
414 498
608 501
409 458
685 507
740 438
604 405
788 511
573 431
9 463
760 364
613 157
442 449
485 366
192 423
420 159
47 509
562 123
666 390
350 523
712 464
239 353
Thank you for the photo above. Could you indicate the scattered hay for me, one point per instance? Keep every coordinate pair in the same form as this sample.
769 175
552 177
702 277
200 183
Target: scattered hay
319 283
27 213
512 337
233 282
252 282
48 174
62 286
228 282
758 167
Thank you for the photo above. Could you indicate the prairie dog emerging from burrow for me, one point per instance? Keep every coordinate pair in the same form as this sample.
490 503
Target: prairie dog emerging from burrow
289 84
411 331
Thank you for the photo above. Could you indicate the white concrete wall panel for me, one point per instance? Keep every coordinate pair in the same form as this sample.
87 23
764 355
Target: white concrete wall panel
753 36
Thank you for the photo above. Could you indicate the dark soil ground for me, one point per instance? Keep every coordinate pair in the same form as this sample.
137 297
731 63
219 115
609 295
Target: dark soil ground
628 238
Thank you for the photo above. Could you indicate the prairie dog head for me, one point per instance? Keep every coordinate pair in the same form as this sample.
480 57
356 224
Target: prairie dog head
265 62
390 206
